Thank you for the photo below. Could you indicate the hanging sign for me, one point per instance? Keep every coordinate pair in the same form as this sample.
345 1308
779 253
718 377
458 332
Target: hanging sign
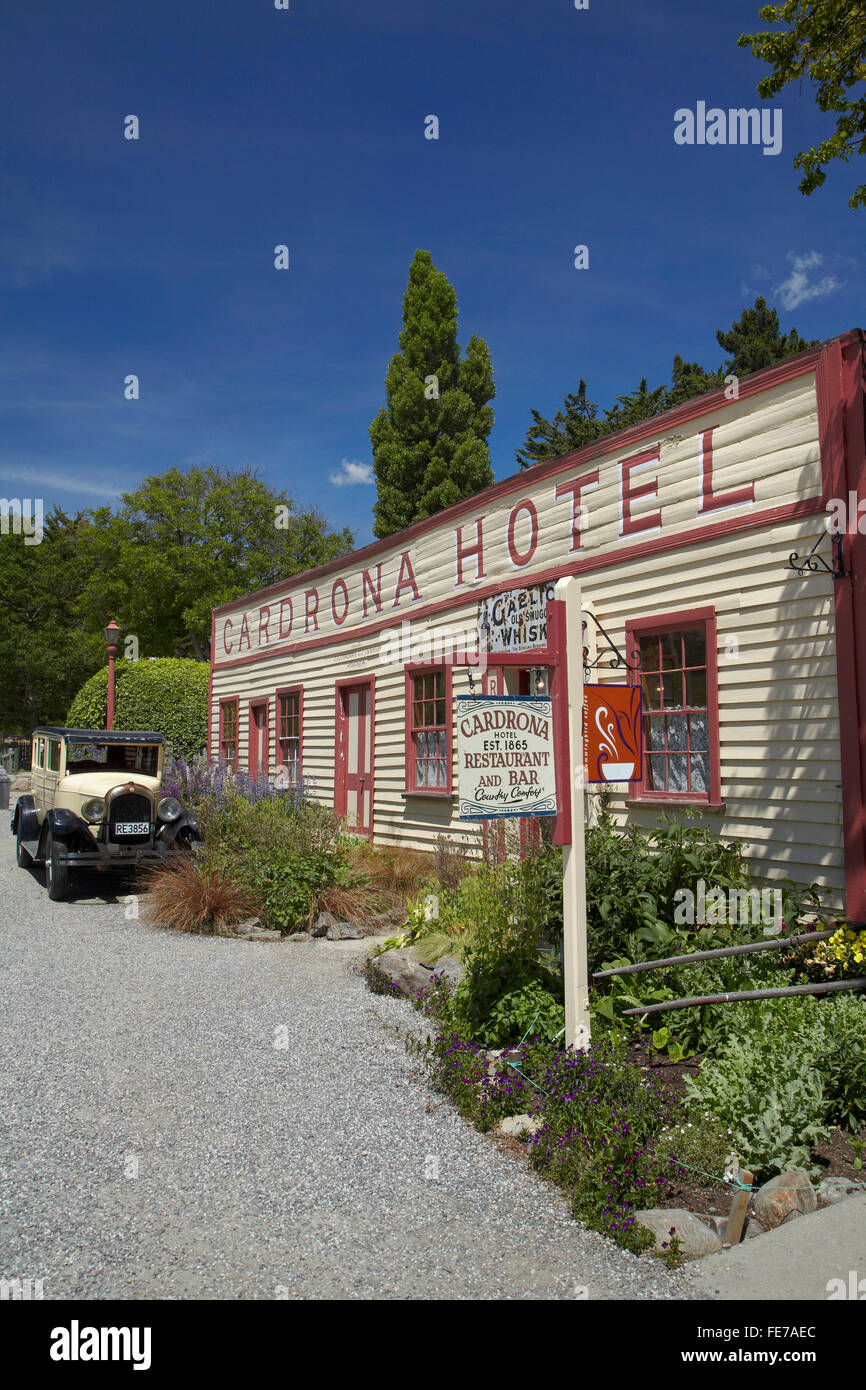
505 757
612 733
515 621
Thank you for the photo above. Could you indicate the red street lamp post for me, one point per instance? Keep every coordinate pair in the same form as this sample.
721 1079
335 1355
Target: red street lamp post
112 632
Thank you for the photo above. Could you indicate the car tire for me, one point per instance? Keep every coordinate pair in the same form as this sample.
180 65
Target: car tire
56 872
23 856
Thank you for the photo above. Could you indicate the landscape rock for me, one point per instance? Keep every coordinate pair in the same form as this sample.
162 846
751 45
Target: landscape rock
343 931
832 1190
787 1192
518 1125
300 936
452 969
695 1237
322 923
265 934
499 1058
244 928
404 969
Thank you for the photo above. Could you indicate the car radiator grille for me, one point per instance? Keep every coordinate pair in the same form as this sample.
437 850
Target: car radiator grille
123 809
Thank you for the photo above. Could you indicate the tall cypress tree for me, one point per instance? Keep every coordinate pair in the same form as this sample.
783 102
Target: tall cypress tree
430 441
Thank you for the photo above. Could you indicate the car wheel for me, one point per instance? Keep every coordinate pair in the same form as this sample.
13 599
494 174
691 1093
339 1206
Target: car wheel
56 872
22 855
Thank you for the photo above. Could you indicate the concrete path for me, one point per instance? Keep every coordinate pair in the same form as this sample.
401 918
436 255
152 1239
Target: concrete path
812 1258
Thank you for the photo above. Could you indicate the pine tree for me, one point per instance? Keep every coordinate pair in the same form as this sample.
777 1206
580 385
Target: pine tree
754 340
430 441
569 429
690 379
635 406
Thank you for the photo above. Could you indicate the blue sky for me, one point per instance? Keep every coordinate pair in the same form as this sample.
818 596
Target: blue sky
306 127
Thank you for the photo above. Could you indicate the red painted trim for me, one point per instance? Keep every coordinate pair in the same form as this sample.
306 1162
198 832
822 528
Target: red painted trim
278 752
753 385
493 831
210 711
610 559
341 688
676 622
251 725
230 700
422 668
556 649
841 390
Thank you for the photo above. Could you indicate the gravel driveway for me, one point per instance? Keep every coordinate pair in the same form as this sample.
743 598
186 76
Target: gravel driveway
157 1144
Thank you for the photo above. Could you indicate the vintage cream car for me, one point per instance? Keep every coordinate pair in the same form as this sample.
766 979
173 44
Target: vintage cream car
95 803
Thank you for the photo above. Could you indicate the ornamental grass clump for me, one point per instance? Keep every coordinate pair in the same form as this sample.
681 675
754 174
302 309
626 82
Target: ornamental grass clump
184 894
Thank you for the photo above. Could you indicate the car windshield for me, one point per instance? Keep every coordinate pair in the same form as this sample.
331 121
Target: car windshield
113 757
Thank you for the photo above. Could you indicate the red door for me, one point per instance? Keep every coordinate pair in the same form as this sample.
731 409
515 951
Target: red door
353 780
258 758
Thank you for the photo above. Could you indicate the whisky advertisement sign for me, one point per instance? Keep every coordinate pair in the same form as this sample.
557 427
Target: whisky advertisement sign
505 757
514 621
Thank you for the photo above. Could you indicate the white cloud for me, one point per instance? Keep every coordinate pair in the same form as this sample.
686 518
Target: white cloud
29 471
352 472
802 285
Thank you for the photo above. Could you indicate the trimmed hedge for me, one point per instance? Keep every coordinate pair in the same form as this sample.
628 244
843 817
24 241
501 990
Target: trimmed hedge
167 696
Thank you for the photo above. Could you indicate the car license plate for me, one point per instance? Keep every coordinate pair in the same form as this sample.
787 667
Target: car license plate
132 827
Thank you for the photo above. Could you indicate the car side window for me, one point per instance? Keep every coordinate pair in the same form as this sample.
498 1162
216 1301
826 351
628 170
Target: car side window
38 752
53 763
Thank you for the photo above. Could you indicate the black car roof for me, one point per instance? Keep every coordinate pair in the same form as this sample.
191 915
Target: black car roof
100 735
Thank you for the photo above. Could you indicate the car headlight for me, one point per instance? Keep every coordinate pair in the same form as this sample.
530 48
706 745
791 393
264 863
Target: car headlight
169 808
93 810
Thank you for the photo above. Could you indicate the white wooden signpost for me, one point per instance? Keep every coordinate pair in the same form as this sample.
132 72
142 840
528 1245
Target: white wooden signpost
507 758
577 1029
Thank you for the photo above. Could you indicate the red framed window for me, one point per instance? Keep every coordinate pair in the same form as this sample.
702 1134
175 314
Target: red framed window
290 736
229 732
428 730
679 683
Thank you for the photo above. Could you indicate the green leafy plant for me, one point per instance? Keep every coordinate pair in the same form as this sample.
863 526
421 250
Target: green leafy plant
529 1009
664 1041
789 1070
290 852
166 696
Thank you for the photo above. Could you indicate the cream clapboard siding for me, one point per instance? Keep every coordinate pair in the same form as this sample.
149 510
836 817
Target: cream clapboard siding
778 719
